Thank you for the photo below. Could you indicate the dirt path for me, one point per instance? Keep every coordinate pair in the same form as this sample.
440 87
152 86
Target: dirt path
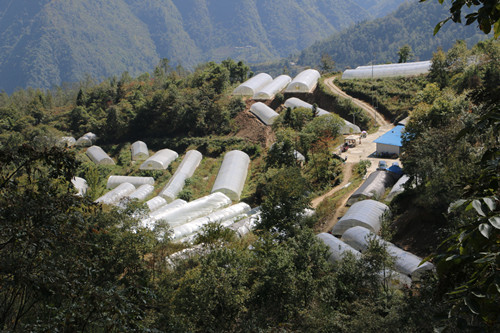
379 118
347 171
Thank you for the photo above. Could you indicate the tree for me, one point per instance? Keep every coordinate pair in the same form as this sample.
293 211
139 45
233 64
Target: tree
405 53
485 12
327 63
439 69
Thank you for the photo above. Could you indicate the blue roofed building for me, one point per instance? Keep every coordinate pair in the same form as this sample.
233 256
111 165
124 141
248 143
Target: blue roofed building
390 143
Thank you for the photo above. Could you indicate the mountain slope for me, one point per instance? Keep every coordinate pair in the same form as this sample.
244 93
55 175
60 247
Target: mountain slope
379 40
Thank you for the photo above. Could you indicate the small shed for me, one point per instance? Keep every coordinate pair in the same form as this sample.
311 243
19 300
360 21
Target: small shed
139 151
390 143
366 213
159 161
99 156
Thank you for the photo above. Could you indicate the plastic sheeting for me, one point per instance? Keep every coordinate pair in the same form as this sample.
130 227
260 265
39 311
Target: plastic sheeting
185 170
304 82
226 215
142 192
337 248
114 196
232 174
247 224
86 140
155 203
253 85
80 185
373 187
366 213
264 113
404 262
66 141
294 102
99 156
272 88
190 211
114 181
139 151
388 70
159 161
398 188
157 213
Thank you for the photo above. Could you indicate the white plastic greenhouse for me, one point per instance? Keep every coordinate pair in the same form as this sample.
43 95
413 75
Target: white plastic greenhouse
155 203
337 248
190 211
253 85
373 187
155 214
264 113
366 213
80 185
388 70
271 89
99 156
397 188
159 161
232 174
139 151
224 216
114 181
86 140
115 195
247 224
304 82
66 141
404 262
294 102
142 192
185 170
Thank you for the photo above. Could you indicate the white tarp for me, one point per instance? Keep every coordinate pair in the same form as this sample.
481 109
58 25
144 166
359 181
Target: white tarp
294 102
366 213
190 211
397 188
114 181
142 192
232 174
253 85
404 262
337 248
139 151
99 156
159 161
86 140
114 196
80 185
304 82
388 70
264 113
155 203
271 89
185 170
225 215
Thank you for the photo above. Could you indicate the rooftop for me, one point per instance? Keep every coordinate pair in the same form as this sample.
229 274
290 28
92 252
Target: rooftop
392 137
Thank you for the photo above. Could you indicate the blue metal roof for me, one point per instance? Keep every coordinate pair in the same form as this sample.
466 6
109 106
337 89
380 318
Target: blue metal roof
393 137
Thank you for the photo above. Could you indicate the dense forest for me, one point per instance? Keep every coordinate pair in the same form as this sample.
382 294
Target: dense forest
69 264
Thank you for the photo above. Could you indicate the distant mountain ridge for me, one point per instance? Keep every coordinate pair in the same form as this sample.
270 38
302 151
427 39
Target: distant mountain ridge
46 42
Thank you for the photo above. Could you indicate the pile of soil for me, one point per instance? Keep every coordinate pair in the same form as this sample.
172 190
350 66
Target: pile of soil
252 129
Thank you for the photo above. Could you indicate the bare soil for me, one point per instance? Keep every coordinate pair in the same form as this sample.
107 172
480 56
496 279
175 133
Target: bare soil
252 129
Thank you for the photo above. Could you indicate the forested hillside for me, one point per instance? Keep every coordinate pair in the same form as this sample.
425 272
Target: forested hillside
44 43
380 40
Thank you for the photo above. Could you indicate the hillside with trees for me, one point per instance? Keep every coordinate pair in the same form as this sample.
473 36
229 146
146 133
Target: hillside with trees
45 43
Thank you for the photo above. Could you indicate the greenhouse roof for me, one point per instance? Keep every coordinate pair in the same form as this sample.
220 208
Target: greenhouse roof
392 137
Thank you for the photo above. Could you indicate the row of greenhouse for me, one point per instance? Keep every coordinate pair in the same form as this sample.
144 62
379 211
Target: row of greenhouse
263 87
388 70
184 218
268 115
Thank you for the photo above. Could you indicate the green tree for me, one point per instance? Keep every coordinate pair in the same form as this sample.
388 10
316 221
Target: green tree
439 69
405 53
327 63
